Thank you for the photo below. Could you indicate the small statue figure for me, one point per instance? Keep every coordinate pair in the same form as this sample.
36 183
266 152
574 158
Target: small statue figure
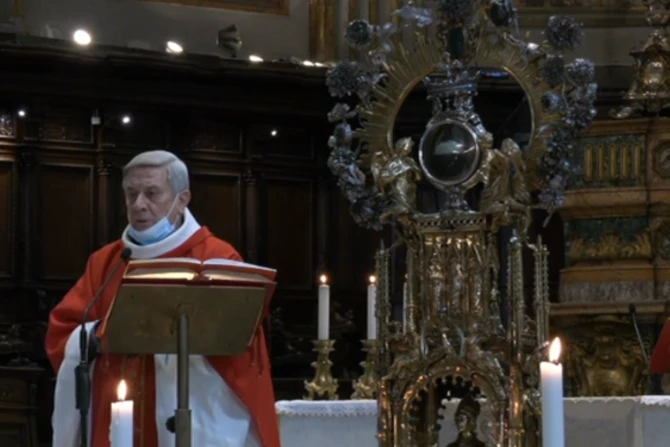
404 351
484 362
438 290
505 193
466 416
396 175
450 329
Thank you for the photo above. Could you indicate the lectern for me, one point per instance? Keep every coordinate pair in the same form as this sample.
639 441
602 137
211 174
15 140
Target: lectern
660 360
192 318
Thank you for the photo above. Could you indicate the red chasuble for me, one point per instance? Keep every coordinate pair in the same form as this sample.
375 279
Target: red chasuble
248 375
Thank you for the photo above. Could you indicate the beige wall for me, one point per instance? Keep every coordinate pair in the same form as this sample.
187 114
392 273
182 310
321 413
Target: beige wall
121 22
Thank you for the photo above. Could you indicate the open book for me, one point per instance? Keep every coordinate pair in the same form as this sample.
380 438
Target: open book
190 269
225 299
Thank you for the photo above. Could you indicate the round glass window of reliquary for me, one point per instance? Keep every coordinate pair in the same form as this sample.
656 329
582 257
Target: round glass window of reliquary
449 153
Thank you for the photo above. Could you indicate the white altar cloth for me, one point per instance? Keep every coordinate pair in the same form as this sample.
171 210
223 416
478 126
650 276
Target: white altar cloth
590 422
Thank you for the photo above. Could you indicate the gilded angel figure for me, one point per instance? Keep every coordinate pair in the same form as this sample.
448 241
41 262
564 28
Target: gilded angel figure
396 175
505 192
515 156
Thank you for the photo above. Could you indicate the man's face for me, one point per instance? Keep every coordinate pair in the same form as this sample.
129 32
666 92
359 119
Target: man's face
149 197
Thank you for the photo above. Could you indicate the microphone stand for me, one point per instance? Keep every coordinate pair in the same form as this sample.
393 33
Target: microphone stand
632 309
82 371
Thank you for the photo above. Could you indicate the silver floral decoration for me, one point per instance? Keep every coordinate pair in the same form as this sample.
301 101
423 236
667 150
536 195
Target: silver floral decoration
571 92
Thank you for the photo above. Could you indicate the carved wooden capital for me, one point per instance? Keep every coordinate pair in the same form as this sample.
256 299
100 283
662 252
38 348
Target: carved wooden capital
104 167
250 178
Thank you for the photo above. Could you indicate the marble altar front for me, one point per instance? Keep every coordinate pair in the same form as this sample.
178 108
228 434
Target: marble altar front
642 421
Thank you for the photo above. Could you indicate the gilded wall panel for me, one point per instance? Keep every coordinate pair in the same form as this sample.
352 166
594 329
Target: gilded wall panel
609 161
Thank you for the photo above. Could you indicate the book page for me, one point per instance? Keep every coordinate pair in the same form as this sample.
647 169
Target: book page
223 275
158 274
157 261
232 262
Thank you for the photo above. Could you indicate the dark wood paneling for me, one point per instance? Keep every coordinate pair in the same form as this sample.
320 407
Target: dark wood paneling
209 133
7 125
290 231
216 204
58 124
8 193
64 220
146 130
354 249
282 141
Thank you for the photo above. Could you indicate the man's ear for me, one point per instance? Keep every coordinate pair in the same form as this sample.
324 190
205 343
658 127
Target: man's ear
185 198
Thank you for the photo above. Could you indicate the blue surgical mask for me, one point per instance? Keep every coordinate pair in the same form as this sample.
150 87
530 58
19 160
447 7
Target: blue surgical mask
157 232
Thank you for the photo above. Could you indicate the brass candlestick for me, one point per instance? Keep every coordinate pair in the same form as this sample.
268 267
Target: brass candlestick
323 386
367 385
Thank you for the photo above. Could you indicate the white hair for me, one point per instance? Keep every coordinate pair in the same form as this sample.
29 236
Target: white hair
176 169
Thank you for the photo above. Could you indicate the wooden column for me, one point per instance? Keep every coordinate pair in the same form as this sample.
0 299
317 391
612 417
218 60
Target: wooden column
322 30
104 206
251 217
27 200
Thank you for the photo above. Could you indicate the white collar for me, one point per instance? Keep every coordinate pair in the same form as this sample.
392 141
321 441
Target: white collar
173 241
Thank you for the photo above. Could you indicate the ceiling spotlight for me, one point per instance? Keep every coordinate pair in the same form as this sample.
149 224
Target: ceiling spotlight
173 47
308 63
273 132
319 64
229 40
125 119
21 113
82 37
255 59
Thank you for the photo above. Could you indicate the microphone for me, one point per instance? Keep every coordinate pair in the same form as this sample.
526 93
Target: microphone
632 309
82 372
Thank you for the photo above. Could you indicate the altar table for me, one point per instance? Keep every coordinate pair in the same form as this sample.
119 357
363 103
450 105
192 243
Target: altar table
642 421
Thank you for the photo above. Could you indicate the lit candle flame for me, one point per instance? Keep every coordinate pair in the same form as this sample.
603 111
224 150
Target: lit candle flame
122 390
555 350
373 280
323 279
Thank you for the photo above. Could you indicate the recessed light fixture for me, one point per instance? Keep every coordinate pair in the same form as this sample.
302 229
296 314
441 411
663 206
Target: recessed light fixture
273 132
308 63
21 113
126 119
173 47
82 37
254 58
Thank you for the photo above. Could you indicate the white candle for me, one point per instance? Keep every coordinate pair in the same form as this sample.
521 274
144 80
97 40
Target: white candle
121 427
372 304
551 374
324 309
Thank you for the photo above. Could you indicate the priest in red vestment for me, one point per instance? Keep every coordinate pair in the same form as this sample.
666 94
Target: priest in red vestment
232 399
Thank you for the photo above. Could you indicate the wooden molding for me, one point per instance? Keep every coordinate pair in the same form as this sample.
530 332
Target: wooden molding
276 7
537 16
322 30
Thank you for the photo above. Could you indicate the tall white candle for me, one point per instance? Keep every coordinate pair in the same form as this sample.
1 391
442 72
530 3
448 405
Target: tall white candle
553 416
372 304
324 308
121 427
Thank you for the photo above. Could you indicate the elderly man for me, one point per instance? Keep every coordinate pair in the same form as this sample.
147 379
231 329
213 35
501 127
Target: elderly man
232 399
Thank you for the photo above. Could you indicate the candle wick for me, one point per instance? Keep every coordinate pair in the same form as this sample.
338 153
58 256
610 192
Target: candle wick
555 362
